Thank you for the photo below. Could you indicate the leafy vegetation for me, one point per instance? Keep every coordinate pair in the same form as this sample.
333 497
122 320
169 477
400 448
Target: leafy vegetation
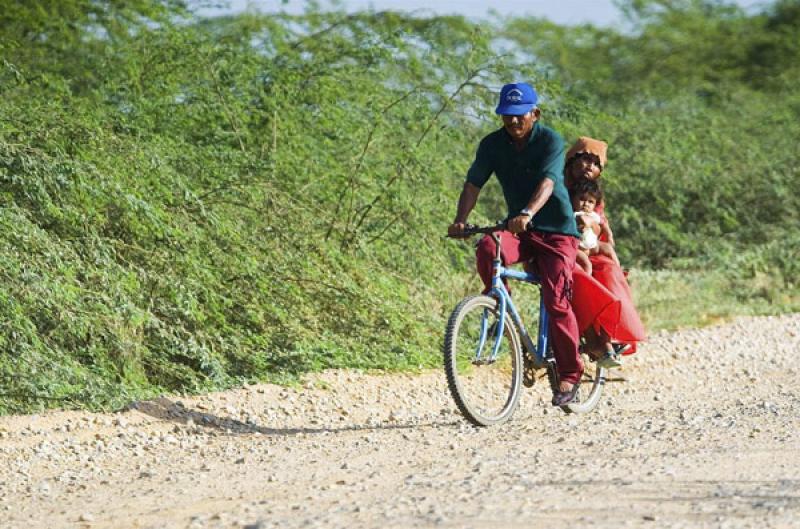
193 203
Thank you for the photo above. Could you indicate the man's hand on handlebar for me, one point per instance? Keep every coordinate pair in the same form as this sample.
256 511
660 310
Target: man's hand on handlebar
456 229
462 230
519 223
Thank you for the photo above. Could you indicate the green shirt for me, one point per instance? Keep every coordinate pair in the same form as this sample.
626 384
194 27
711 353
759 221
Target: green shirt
521 172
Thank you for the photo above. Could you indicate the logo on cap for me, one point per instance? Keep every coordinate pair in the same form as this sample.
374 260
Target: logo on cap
514 96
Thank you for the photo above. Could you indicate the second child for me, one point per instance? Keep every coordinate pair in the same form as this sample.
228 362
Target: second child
585 197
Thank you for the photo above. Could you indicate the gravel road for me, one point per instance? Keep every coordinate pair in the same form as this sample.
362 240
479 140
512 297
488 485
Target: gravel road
699 429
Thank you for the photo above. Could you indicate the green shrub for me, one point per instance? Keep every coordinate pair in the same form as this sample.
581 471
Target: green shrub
190 204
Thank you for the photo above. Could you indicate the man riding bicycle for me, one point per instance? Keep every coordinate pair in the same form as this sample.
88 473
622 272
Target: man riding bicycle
528 159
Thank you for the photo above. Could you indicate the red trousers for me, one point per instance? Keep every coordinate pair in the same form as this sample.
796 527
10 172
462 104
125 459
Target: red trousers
554 256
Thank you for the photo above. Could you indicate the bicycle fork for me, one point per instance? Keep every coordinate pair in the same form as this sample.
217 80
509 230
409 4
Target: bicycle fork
498 326
496 330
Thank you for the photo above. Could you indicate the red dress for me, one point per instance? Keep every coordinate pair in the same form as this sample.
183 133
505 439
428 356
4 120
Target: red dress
603 300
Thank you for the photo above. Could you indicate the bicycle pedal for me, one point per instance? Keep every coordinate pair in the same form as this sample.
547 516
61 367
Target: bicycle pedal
482 362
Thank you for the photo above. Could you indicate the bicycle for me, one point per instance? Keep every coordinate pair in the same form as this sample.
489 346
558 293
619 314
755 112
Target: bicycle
485 382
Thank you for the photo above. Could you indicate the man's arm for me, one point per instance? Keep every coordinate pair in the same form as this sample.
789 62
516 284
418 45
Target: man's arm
553 170
466 202
538 199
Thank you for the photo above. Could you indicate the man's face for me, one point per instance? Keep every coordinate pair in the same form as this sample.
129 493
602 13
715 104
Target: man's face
518 127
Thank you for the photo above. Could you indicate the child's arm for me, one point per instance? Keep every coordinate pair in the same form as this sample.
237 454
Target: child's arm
605 229
594 220
608 235
585 221
606 249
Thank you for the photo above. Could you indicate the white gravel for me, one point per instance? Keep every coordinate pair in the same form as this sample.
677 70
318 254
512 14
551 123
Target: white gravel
699 430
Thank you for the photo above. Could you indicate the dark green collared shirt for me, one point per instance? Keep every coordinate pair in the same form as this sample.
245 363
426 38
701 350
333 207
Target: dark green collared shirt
521 172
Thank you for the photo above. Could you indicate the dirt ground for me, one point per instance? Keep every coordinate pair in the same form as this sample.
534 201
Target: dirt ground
699 429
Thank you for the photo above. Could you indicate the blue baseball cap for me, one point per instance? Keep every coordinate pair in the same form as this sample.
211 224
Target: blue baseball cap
516 99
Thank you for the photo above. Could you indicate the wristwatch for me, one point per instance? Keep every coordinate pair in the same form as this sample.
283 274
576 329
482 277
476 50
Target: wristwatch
527 212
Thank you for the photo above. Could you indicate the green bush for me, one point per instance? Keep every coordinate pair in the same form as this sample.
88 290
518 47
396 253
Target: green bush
189 204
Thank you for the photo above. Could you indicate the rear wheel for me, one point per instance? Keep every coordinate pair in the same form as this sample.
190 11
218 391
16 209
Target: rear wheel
591 389
485 386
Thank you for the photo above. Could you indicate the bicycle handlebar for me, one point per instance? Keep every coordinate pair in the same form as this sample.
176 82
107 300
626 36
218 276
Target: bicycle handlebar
472 229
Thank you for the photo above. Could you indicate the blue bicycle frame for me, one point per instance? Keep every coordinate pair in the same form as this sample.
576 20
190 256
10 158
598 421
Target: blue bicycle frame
506 306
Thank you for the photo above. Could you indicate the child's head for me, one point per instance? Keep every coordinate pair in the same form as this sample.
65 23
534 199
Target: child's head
586 195
585 160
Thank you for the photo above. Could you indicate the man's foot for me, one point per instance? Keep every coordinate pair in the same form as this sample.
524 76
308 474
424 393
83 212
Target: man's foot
562 397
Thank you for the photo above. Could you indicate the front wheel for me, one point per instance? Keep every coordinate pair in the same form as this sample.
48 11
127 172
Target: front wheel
484 381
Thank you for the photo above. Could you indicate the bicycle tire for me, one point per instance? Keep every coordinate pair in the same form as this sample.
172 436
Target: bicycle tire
472 386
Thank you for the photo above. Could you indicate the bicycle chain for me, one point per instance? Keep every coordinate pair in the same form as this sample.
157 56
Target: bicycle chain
528 369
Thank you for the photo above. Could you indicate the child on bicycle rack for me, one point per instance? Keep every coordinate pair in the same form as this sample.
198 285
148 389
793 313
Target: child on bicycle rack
585 197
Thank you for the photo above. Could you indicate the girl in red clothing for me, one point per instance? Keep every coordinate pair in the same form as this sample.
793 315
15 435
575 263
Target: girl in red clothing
602 301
